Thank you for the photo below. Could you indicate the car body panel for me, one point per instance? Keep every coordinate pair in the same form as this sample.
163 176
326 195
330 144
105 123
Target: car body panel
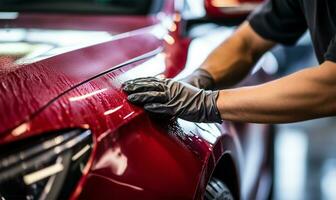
135 155
130 141
54 76
127 141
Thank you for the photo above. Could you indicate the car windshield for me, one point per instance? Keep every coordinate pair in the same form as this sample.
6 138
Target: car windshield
119 7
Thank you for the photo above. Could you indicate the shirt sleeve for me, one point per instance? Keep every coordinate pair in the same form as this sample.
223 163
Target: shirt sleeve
281 21
330 54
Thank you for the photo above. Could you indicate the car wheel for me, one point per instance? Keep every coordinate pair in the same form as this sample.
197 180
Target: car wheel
217 190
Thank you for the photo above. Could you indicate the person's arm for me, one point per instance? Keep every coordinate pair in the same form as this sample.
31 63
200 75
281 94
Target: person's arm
232 60
307 94
275 21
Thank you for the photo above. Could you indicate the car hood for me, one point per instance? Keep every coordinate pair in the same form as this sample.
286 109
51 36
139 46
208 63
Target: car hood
26 38
42 57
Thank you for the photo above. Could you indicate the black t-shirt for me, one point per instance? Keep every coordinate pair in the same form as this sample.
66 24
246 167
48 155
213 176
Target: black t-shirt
284 21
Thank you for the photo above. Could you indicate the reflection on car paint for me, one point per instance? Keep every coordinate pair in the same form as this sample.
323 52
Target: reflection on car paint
37 44
84 96
113 159
113 110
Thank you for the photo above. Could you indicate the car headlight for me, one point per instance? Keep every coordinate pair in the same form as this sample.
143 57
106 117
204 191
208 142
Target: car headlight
48 167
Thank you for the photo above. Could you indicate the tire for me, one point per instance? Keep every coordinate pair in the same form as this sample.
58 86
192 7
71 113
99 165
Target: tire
217 190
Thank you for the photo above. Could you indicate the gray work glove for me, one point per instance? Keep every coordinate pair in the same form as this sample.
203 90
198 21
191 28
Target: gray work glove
174 98
200 78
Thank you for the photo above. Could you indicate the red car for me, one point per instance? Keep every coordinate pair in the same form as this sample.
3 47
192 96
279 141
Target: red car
67 130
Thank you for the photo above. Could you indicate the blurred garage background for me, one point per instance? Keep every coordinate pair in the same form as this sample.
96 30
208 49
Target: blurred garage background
305 160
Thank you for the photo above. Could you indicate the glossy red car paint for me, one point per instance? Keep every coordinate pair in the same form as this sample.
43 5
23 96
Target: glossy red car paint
136 156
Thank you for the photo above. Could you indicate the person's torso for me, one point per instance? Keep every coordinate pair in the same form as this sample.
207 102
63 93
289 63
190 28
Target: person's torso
321 20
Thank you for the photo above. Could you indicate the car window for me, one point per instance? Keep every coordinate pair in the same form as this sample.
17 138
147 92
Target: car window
121 7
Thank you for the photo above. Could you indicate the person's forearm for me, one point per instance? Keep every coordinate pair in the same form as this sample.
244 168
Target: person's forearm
304 95
231 61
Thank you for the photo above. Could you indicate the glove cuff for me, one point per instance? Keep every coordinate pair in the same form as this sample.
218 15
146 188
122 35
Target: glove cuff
217 115
200 78
213 114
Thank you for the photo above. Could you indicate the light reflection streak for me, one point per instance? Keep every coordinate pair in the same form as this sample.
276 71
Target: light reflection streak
20 129
127 116
43 173
120 183
87 95
86 126
108 112
80 152
103 135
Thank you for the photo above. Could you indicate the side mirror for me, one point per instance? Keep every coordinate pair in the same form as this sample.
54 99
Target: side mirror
230 8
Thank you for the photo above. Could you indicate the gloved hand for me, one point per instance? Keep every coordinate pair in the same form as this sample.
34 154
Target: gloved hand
177 99
200 78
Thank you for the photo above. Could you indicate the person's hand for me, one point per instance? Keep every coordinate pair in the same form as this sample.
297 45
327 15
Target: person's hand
174 98
200 78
